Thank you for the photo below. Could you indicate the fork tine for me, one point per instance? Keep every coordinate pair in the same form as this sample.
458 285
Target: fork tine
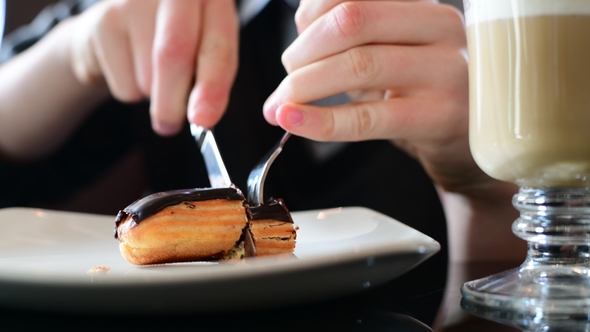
259 172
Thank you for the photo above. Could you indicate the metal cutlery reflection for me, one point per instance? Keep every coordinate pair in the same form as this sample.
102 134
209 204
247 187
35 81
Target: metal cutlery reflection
255 195
218 176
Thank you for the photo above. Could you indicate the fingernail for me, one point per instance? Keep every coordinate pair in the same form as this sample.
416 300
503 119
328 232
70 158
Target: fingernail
294 116
165 129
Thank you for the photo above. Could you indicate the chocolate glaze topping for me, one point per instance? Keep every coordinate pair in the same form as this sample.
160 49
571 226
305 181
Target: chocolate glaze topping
274 208
148 206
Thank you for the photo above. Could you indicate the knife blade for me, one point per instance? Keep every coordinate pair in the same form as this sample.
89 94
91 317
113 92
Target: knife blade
218 175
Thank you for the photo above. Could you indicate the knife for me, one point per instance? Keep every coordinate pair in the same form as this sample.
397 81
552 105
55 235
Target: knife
218 176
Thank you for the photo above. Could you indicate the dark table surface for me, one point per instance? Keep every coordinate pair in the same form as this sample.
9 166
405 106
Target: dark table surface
399 305
407 303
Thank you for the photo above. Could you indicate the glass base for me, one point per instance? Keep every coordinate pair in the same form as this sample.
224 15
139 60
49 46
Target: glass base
555 278
528 321
558 293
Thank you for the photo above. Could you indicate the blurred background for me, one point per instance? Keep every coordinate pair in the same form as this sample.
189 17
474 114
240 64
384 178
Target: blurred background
19 12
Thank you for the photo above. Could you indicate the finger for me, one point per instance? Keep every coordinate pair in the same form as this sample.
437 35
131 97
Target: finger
383 119
84 60
400 69
310 10
141 25
351 122
217 63
358 23
175 45
113 53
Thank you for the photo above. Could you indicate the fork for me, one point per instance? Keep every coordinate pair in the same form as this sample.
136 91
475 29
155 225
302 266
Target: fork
258 174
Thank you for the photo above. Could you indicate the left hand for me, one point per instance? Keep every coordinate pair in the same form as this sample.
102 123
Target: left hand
181 54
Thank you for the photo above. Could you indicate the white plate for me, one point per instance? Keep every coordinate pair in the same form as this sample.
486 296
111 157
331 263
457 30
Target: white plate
46 256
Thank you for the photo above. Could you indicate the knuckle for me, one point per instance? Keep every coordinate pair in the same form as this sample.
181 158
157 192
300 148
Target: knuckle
456 70
364 122
329 127
111 15
354 125
301 18
451 13
144 87
286 60
291 88
86 76
85 66
131 5
174 49
129 95
455 22
361 64
214 93
220 51
349 19
123 90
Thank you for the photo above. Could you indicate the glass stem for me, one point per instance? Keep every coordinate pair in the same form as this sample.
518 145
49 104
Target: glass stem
555 222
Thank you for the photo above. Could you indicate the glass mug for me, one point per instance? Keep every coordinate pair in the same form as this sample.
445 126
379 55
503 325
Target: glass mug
2 16
529 81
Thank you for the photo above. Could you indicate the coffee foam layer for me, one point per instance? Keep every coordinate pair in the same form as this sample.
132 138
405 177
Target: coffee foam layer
477 11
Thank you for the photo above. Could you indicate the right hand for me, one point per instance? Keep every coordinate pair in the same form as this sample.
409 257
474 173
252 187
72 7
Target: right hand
155 49
402 62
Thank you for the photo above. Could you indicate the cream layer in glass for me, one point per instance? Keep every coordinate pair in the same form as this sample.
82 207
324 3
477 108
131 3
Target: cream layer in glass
530 114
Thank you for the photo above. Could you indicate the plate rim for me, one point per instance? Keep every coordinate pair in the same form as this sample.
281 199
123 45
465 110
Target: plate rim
309 280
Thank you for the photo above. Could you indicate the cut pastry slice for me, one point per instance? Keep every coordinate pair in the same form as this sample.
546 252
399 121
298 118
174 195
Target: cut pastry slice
272 228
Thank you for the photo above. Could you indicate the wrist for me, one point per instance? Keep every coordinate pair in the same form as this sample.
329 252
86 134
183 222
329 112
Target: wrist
479 225
34 127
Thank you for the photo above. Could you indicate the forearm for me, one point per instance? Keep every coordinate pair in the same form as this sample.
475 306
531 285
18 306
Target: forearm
479 228
41 101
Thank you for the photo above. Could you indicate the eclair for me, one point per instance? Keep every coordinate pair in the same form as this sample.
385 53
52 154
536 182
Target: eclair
204 224
183 225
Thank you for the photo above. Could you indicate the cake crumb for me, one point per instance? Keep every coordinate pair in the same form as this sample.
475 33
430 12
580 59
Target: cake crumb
98 269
